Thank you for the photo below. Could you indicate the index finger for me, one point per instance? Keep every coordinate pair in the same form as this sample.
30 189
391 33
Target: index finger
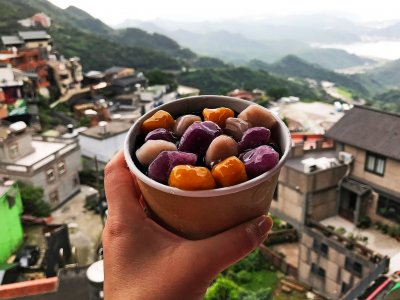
122 191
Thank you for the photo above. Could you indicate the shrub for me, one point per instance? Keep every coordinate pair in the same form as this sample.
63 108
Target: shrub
243 277
33 200
364 222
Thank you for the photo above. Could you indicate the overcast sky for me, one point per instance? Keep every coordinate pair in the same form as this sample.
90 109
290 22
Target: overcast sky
116 11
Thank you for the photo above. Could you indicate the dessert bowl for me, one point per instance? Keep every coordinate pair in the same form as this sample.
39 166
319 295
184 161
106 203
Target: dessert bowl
200 214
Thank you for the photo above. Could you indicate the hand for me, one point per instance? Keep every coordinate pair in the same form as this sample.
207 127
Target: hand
142 260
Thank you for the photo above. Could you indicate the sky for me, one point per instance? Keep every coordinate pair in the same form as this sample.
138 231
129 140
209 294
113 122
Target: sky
114 12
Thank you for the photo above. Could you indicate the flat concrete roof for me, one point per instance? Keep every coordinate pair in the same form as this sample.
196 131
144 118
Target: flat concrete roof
296 163
42 150
113 129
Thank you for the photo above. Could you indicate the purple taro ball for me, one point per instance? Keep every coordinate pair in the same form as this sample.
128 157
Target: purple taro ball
161 167
259 160
254 137
198 137
159 134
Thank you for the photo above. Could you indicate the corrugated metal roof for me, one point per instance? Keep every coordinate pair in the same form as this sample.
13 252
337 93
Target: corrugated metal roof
11 40
370 129
34 35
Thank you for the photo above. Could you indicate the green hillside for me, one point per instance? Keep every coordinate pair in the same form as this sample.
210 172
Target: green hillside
388 101
220 81
387 75
292 66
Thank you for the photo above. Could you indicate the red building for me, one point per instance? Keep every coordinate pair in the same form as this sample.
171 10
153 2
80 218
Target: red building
28 60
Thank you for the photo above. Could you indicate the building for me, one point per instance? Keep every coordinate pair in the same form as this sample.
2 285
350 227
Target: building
30 61
28 39
49 163
336 266
39 19
187 91
129 84
102 142
242 94
65 74
371 138
118 72
327 194
307 186
11 232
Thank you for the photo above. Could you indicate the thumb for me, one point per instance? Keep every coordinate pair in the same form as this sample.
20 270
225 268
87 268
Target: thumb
228 247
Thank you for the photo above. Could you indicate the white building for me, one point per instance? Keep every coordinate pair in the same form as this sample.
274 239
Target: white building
103 142
50 163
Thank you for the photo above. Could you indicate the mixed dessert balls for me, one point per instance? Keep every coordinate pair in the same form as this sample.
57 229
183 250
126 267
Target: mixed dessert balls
214 150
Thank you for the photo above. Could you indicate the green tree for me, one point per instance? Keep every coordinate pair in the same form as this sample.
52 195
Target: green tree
224 288
278 92
33 200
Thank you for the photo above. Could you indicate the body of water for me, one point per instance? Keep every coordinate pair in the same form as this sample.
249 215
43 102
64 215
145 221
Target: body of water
374 49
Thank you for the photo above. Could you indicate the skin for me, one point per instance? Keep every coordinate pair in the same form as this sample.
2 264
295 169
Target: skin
142 260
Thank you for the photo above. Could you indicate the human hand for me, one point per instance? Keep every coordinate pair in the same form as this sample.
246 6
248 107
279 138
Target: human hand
142 260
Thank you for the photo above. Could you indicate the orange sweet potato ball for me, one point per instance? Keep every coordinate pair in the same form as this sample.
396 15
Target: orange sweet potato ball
191 178
229 172
218 115
161 119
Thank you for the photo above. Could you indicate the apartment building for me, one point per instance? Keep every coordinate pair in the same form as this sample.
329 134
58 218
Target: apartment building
372 138
50 163
102 142
65 74
324 191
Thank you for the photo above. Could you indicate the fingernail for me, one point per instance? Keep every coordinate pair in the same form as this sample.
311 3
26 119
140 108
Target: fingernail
264 226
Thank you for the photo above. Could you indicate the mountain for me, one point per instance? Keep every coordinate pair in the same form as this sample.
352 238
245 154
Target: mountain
292 66
314 28
220 81
392 31
239 48
387 75
333 59
388 101
136 37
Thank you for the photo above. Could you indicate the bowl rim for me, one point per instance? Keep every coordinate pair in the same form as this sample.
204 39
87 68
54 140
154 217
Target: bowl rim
203 193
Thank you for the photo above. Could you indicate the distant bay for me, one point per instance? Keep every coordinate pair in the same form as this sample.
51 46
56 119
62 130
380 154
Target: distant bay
374 49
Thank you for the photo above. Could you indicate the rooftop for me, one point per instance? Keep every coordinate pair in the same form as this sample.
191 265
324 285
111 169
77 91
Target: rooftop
296 162
128 80
370 129
116 69
34 35
113 128
377 241
42 150
11 40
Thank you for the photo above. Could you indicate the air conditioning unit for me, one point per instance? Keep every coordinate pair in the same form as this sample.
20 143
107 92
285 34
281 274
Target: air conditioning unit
345 157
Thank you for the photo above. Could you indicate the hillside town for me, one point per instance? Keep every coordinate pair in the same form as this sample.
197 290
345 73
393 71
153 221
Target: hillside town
336 208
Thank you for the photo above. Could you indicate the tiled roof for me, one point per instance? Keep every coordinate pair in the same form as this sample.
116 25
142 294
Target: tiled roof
34 35
370 129
11 40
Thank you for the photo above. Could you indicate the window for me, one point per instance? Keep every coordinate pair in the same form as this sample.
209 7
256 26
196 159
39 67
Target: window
50 175
375 163
357 268
345 287
388 208
61 167
324 249
353 267
53 197
14 151
321 248
317 270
